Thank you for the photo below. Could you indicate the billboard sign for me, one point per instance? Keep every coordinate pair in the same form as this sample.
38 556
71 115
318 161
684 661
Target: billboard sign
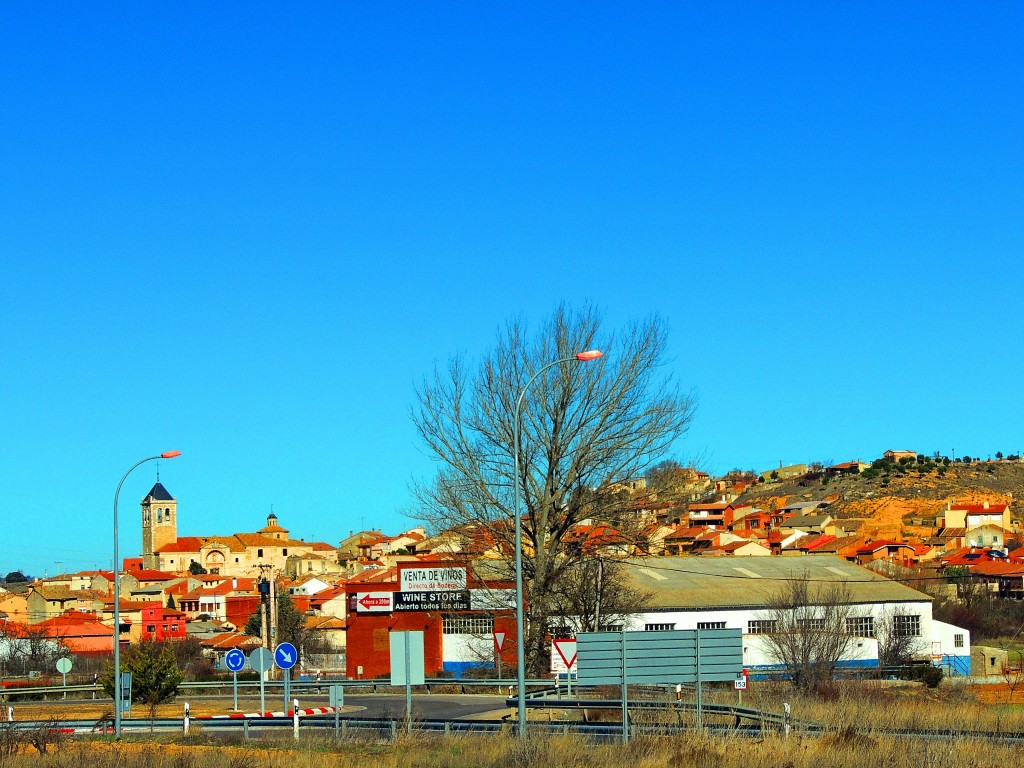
433 579
370 602
447 600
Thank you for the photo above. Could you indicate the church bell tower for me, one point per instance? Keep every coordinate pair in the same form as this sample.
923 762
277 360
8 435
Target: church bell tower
159 523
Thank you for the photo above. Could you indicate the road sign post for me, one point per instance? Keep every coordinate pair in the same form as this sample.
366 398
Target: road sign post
676 656
285 656
261 660
407 666
499 644
235 661
563 659
64 666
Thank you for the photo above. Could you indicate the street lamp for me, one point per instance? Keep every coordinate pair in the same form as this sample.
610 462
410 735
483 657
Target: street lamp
117 595
582 357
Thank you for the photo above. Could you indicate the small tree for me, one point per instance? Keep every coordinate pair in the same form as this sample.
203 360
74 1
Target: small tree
896 646
809 634
170 603
195 568
15 577
155 674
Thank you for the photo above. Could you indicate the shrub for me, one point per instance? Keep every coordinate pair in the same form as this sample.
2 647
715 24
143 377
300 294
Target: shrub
929 675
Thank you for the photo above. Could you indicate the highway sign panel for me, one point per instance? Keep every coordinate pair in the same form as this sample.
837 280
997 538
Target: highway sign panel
285 655
563 656
407 644
660 657
64 665
454 600
371 602
740 683
261 660
234 660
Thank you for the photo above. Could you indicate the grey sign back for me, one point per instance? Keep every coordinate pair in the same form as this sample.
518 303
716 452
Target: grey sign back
659 657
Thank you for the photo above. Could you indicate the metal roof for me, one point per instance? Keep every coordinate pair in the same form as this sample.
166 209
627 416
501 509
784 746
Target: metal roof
702 583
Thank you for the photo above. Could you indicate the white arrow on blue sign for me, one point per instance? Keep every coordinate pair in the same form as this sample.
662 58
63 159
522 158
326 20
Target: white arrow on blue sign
285 655
234 660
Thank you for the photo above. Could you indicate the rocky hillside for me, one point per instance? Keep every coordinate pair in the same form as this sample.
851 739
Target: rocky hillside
899 499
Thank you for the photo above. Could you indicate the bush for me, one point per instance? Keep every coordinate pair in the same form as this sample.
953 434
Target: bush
929 675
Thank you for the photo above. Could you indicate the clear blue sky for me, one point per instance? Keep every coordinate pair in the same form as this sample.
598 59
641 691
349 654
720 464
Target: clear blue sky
246 233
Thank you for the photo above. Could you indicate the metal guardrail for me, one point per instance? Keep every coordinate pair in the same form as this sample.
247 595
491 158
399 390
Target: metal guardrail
374 686
391 727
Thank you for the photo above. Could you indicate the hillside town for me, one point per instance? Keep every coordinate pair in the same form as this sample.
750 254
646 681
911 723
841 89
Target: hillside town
705 551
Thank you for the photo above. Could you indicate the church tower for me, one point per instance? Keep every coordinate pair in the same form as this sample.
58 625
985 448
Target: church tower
159 523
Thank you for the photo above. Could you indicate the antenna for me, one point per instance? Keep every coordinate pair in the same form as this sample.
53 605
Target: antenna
158 471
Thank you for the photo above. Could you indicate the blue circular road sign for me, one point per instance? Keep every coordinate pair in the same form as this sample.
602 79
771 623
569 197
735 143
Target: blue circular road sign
285 655
234 660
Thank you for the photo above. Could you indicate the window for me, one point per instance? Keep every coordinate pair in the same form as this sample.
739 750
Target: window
861 626
659 627
907 625
259 553
151 628
958 641
710 625
611 628
236 559
467 625
761 626
174 627
284 551
813 625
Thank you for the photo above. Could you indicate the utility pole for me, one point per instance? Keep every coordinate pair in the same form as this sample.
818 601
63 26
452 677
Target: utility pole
273 611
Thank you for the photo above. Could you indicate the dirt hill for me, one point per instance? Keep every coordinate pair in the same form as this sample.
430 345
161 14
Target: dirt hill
898 500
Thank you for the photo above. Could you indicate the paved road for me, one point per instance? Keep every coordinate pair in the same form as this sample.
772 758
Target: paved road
434 706
377 705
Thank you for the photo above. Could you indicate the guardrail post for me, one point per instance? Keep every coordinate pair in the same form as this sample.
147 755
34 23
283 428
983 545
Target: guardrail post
185 719
245 729
295 718
786 712
10 714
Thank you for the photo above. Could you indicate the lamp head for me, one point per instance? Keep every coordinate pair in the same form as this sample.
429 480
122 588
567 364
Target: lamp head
590 354
170 454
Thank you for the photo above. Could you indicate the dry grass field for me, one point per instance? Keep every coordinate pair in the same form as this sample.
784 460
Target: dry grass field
863 713
843 750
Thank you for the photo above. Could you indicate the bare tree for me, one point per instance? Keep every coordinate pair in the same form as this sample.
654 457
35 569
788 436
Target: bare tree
592 593
583 427
808 631
897 647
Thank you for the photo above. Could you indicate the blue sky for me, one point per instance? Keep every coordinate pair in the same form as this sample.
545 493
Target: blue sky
246 233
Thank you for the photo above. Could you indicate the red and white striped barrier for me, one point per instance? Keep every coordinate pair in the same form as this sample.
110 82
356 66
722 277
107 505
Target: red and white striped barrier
289 713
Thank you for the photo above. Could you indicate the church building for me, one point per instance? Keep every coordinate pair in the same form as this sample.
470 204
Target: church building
236 554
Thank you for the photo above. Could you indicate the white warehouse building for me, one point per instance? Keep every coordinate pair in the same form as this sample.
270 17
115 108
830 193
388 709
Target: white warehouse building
733 593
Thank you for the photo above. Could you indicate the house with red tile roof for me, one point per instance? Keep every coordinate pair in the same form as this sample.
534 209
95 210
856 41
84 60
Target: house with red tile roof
899 552
718 514
79 633
972 515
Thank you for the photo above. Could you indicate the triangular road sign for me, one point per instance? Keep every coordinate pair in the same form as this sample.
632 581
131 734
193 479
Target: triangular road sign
566 649
499 640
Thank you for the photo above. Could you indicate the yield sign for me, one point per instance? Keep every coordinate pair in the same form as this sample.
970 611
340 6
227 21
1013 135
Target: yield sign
564 657
499 640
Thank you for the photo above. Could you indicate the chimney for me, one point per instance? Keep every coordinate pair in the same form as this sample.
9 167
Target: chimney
985 505
234 583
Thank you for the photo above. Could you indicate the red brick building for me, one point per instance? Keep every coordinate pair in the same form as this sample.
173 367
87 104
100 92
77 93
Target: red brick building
159 623
459 618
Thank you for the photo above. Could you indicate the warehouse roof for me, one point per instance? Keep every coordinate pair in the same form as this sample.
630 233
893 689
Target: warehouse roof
692 583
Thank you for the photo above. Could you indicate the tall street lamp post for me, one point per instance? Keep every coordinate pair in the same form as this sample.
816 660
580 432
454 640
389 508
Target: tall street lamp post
117 595
582 357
